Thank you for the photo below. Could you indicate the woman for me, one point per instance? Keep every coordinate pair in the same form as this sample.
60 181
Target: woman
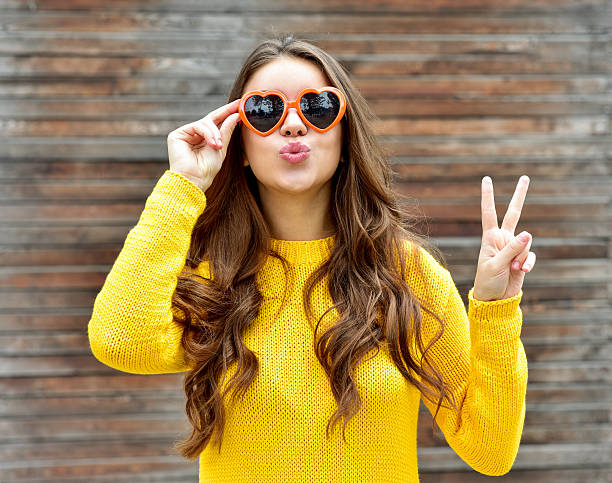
273 260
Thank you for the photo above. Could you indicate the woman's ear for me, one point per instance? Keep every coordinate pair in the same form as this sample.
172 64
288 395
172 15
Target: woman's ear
245 161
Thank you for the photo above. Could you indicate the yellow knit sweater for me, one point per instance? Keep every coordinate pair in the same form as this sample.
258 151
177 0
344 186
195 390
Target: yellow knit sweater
277 431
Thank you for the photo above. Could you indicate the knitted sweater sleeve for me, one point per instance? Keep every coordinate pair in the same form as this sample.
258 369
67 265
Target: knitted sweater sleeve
481 356
131 327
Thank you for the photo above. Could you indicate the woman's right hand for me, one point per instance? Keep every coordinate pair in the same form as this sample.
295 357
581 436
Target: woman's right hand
197 150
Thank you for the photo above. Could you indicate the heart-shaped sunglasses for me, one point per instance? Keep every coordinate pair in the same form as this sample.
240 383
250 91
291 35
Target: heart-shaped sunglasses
263 111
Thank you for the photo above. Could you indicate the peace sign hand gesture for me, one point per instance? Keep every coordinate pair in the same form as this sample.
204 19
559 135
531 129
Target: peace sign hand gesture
504 259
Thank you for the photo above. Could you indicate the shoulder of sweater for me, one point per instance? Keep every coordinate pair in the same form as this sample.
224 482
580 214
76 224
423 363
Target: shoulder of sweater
433 280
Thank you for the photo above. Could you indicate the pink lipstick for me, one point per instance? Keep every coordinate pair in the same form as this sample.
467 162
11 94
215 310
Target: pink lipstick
294 152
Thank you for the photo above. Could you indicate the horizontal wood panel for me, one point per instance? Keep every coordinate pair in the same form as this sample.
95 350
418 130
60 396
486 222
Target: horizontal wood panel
555 348
92 406
575 295
432 170
560 127
165 385
567 197
428 464
460 253
553 229
590 22
139 426
86 428
345 47
414 86
26 281
44 366
69 450
519 476
182 109
357 64
60 471
395 6
102 236
530 457
110 383
138 148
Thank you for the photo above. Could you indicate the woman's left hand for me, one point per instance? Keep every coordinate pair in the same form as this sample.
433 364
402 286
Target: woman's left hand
504 258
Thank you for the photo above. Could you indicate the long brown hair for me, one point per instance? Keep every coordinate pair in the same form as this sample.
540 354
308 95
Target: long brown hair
365 270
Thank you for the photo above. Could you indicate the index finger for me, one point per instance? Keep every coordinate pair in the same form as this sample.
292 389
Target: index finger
487 205
219 114
516 205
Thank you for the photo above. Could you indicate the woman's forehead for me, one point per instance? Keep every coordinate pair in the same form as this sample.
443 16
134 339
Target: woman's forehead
288 76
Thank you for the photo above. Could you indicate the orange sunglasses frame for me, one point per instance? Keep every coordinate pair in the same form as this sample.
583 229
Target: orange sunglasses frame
295 104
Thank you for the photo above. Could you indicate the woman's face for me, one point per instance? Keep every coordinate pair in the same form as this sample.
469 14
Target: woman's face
291 75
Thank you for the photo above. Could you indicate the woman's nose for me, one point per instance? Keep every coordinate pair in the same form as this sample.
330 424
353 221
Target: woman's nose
293 124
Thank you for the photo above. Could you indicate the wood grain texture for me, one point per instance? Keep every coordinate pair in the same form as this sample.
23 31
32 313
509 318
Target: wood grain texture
89 90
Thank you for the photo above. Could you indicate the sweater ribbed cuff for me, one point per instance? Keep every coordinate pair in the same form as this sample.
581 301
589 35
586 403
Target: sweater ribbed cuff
174 193
495 319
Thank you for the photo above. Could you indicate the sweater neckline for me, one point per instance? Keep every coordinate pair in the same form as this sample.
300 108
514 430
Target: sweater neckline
304 251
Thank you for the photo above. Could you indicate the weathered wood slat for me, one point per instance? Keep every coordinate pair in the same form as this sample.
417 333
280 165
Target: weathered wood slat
414 86
84 428
38 43
72 344
135 148
395 6
177 108
133 385
573 126
576 295
67 450
100 406
170 385
67 471
591 22
450 168
567 229
357 64
567 392
457 250
530 457
566 195
45 366
113 382
130 426
100 236
462 209
464 250
567 275
519 476
435 169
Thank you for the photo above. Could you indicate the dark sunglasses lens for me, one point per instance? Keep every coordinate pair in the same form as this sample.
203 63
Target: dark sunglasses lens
320 109
263 112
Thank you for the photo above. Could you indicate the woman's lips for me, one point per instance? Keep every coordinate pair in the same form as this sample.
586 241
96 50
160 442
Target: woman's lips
295 157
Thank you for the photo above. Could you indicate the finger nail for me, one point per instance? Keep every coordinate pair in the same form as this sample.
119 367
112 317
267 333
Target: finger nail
515 265
524 237
527 267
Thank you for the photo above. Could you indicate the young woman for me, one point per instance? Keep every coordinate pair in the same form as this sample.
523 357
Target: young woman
273 262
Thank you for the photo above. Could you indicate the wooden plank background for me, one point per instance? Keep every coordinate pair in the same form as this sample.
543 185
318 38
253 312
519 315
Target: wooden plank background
90 89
